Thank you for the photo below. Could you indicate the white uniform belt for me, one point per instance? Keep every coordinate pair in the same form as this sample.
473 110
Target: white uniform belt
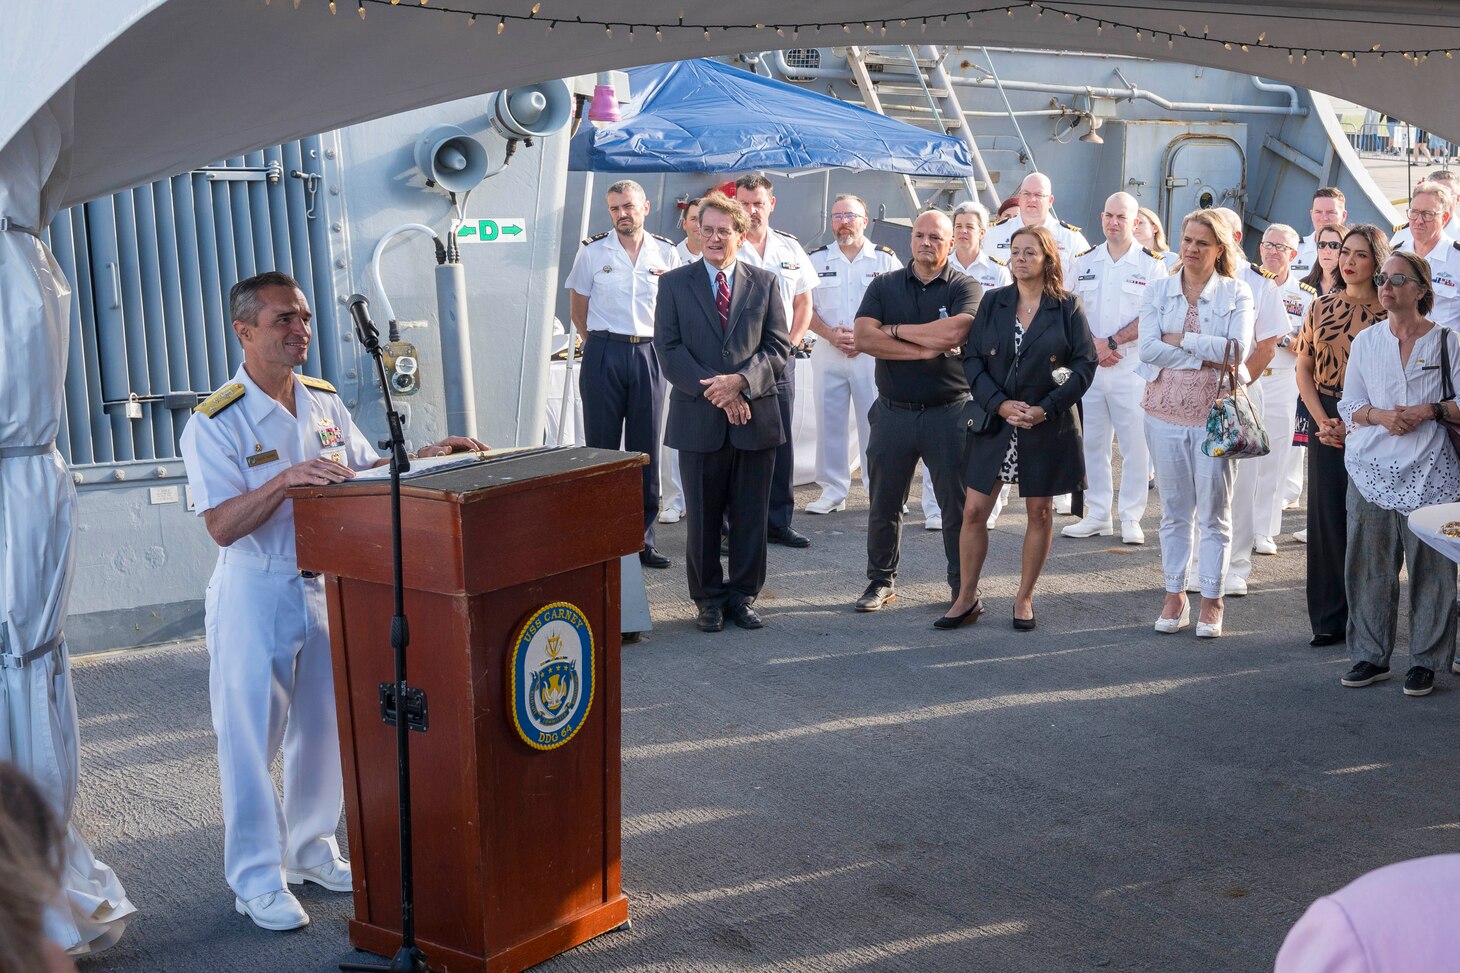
270 563
6 452
9 660
8 225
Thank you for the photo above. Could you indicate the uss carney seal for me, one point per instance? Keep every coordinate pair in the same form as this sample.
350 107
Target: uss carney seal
550 685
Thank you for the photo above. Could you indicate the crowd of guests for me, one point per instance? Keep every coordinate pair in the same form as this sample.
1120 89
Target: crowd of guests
1008 351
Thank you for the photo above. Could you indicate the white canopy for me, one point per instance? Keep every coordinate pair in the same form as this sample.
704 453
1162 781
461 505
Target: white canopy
165 85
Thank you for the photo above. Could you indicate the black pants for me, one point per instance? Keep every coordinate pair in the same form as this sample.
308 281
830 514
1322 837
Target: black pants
899 438
623 405
783 500
1327 532
729 485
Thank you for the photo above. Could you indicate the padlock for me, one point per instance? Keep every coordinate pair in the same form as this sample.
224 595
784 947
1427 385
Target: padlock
134 408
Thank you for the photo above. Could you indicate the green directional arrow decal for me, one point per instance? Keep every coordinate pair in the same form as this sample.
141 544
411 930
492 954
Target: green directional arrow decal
511 229
467 230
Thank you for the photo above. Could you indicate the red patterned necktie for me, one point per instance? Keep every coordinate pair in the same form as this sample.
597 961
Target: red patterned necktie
722 299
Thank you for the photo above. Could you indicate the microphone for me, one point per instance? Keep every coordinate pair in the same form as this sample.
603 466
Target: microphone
365 329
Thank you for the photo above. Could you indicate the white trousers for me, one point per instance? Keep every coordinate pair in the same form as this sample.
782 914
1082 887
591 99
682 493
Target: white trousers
1245 497
845 390
1196 497
1279 410
671 490
270 683
1112 412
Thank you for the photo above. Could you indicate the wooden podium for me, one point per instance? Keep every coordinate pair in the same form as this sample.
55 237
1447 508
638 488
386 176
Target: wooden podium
516 848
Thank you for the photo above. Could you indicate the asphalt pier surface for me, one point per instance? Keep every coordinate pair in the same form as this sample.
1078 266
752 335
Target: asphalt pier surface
861 792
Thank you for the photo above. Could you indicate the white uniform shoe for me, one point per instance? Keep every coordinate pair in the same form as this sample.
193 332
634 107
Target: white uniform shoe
669 515
1131 533
334 875
1237 588
277 911
1088 528
821 505
1064 504
1301 536
1264 545
933 523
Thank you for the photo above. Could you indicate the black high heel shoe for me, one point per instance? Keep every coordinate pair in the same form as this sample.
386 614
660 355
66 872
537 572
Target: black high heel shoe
954 621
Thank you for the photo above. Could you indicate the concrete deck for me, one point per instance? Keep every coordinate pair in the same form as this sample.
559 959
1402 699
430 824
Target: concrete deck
861 792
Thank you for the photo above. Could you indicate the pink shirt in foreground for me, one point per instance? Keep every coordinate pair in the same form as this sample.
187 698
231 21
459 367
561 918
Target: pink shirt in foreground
1392 920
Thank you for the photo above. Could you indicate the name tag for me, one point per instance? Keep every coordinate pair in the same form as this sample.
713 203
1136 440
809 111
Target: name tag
1089 276
259 459
827 273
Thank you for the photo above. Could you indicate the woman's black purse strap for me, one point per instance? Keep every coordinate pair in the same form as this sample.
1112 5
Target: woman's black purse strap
1447 385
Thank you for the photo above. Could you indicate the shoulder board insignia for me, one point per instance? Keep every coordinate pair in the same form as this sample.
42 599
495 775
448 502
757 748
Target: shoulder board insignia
1457 244
884 249
790 235
1069 226
1399 226
317 383
1151 253
1308 287
1083 252
221 399
1001 263
1005 219
1259 268
599 236
664 238
823 247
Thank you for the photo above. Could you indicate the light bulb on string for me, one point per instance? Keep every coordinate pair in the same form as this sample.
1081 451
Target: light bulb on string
333 9
362 9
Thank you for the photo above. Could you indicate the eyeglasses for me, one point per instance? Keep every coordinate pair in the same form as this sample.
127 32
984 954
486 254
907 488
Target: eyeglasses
1395 280
846 217
712 232
1025 194
1424 215
1329 244
1275 247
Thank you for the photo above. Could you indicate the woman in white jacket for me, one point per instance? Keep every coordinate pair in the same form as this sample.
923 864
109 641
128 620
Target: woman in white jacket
1186 321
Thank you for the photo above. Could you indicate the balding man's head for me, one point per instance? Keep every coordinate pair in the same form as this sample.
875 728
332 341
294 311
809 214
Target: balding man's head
1233 221
1117 220
932 239
1036 196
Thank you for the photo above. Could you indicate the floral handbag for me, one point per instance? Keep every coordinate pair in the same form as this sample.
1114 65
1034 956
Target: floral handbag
1233 429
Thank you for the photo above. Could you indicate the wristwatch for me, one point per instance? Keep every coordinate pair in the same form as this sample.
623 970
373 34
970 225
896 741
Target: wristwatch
1111 342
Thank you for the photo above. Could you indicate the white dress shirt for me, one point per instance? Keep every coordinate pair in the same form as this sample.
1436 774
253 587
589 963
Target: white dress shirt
1445 278
621 291
990 272
685 257
785 258
1405 472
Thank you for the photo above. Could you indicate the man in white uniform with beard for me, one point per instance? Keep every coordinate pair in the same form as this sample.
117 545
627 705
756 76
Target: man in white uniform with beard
269 677
845 378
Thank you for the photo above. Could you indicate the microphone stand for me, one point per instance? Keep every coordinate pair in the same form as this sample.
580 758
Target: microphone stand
409 958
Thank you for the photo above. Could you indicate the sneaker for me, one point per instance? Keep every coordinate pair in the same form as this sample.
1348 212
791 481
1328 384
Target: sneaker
1235 586
1301 536
1131 533
878 593
821 505
277 911
333 875
1089 527
1364 674
933 523
1264 545
1419 681
669 515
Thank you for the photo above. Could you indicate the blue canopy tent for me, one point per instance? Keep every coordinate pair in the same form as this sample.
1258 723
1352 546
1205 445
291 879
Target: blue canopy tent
705 116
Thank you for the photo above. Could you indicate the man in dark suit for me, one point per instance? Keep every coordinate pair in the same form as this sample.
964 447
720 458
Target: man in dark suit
721 335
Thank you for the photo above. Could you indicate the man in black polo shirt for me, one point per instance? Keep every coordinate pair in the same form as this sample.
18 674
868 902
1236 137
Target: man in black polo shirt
913 321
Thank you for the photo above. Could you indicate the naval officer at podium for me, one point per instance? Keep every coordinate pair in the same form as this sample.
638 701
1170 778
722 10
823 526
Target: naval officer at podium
269 675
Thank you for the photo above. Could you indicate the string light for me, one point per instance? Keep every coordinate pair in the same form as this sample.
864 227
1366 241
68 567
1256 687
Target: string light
1009 8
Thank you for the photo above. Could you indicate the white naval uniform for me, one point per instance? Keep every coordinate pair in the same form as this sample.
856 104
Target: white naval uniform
1279 386
1445 278
784 257
1068 238
1403 238
846 387
1270 320
269 674
1112 292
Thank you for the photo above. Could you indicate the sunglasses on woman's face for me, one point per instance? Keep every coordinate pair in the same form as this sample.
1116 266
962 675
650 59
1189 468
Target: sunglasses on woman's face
1328 245
1394 280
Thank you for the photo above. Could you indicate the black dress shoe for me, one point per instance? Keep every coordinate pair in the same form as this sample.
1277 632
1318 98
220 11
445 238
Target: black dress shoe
744 616
651 558
788 536
962 618
1323 638
878 593
1023 624
630 638
711 619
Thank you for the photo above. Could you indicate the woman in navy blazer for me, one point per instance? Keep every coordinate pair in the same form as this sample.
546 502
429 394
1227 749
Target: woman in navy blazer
1029 359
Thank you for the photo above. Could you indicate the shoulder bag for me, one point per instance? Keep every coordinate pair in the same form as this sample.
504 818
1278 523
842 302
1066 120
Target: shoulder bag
1234 430
1447 391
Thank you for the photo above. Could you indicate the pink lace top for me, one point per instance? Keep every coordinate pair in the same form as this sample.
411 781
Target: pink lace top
1182 396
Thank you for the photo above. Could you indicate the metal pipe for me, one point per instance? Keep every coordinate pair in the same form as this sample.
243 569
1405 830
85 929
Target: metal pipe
1282 89
951 105
457 379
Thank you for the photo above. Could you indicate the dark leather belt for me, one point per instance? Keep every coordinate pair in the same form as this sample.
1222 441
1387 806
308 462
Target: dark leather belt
921 406
309 574
1329 391
630 339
